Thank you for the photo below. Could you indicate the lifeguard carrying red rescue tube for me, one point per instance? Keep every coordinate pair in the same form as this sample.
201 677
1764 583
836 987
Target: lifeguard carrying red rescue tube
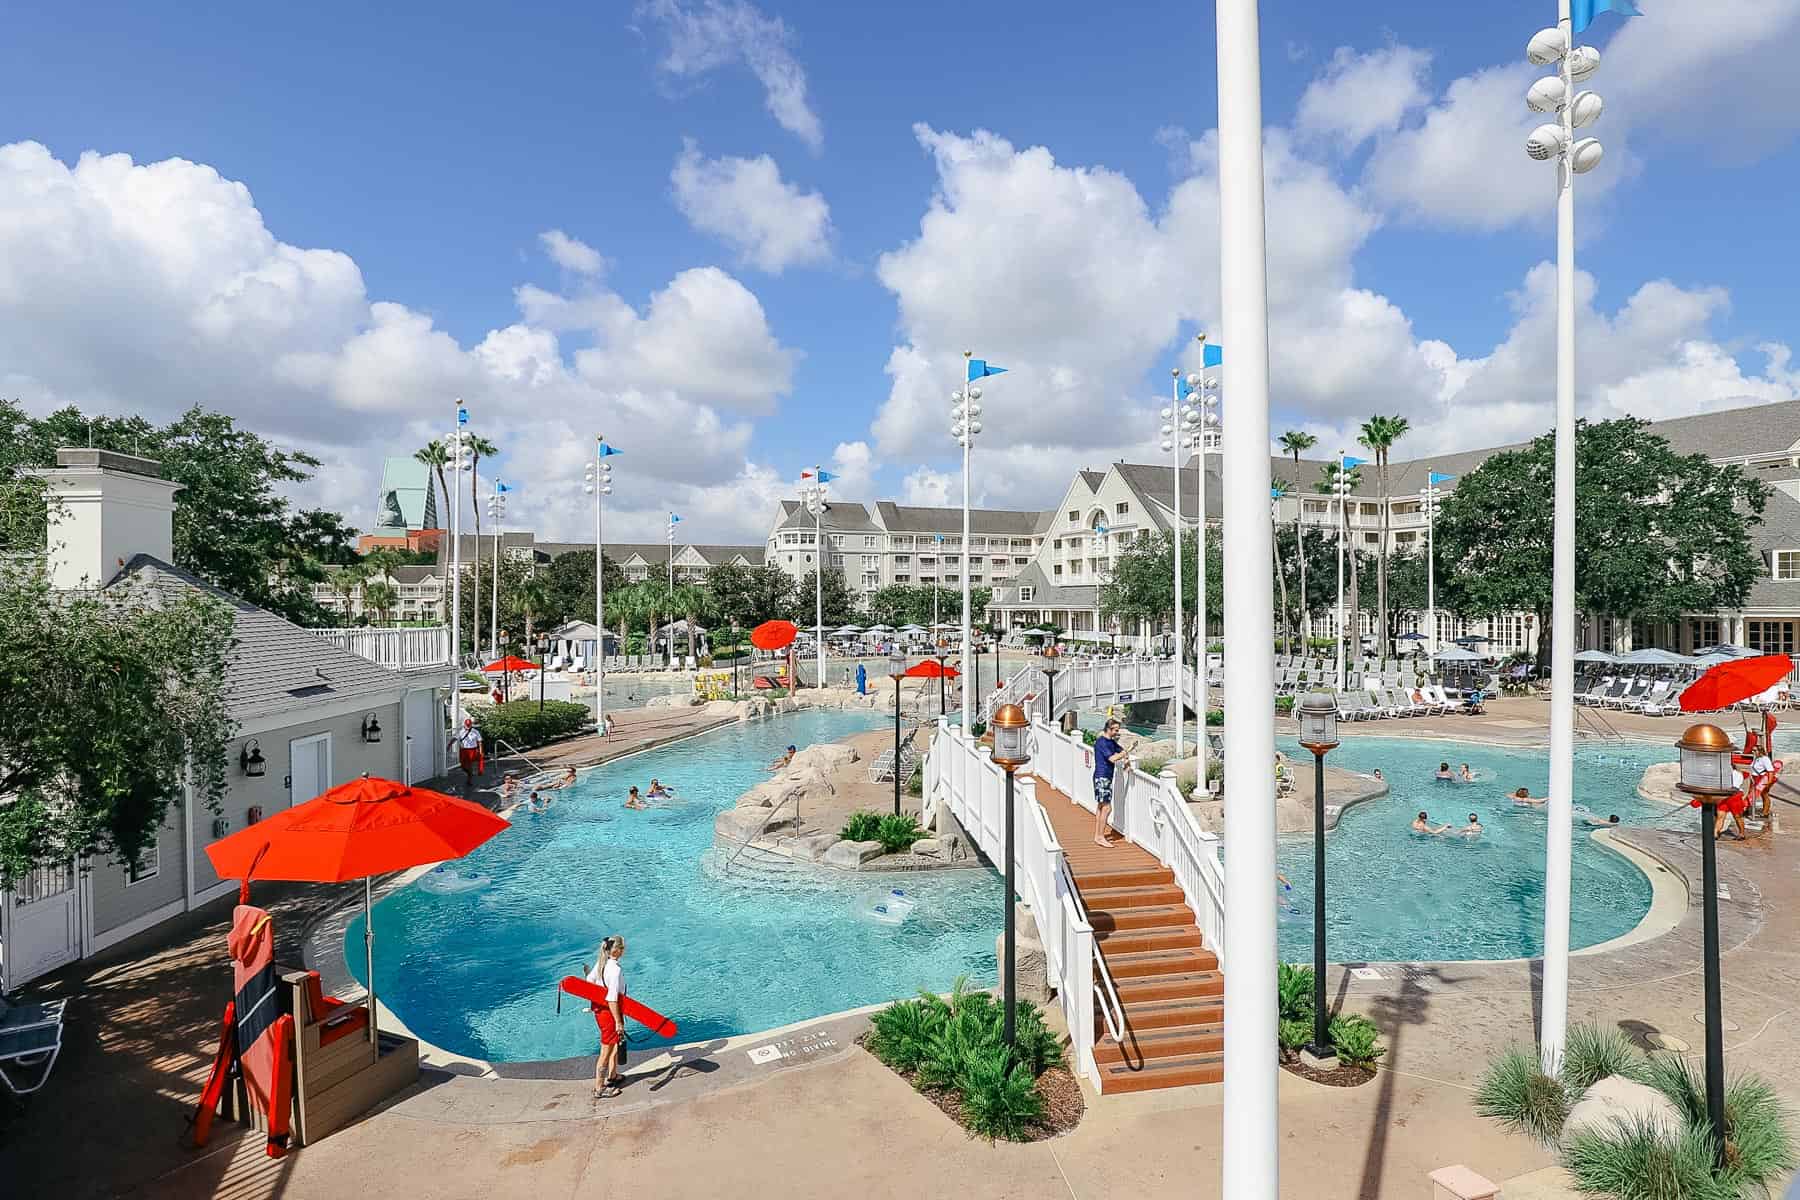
595 995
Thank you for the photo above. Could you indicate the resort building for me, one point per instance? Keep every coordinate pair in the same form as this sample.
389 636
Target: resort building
639 560
405 508
418 591
887 543
309 715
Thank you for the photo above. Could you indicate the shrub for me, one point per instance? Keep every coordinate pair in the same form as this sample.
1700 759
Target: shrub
1633 1159
1153 766
915 783
1355 1040
861 827
902 1032
1283 705
520 725
897 832
1292 1034
1090 736
1760 1145
1592 1052
1294 992
1516 1092
1036 1044
999 1100
1215 717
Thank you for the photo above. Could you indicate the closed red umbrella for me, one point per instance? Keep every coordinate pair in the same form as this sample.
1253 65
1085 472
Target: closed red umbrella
773 635
358 829
1739 679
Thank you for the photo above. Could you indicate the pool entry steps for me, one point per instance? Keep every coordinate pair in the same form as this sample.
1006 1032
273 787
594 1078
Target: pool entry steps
1171 991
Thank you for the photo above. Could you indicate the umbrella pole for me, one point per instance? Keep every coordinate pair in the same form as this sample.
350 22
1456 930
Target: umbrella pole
369 962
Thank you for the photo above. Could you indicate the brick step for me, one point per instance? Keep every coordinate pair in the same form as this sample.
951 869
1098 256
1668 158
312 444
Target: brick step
1137 964
1113 899
1146 1046
1181 1010
1187 985
1163 1073
1162 916
1122 877
1131 941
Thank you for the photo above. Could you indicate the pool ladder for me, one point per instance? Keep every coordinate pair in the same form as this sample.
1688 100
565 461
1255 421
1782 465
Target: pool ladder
762 829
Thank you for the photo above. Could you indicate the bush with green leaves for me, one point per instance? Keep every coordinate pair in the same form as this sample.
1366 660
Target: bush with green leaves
956 1044
1284 705
521 725
915 783
1636 1160
897 832
1294 992
1293 1034
1592 1052
1516 1092
1355 1040
1215 718
1153 765
861 826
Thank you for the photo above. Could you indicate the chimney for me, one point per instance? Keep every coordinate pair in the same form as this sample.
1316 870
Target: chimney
104 508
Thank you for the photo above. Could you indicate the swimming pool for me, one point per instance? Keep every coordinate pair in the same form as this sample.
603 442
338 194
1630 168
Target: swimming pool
1394 895
475 971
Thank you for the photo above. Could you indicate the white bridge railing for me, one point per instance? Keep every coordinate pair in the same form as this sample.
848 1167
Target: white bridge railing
1088 683
399 649
960 775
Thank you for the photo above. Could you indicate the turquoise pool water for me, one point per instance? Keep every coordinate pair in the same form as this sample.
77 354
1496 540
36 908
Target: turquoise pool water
1394 895
475 971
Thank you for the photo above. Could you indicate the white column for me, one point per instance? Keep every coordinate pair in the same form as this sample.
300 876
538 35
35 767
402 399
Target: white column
1201 692
1337 487
494 608
599 597
455 499
1560 810
1180 690
1251 1167
1431 566
968 695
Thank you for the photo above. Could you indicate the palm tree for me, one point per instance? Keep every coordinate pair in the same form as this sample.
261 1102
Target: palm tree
688 599
1276 494
652 603
1328 484
622 604
534 600
435 455
346 582
1296 443
381 596
1379 434
478 448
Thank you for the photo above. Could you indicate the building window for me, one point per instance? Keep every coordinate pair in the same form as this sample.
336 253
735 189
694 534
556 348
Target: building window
868 542
1372 539
952 578
1787 564
1121 508
790 539
1074 518
1075 567
837 560
147 869
902 578
1027 595
1768 637
1056 568
1705 633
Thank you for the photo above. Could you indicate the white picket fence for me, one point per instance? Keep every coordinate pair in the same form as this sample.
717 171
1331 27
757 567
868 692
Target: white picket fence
399 649
960 774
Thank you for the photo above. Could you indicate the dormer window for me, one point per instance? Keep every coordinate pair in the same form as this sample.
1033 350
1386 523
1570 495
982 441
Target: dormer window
1786 564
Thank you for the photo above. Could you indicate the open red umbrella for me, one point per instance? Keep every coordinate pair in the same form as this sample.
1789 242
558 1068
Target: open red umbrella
357 829
773 635
511 662
930 669
1738 679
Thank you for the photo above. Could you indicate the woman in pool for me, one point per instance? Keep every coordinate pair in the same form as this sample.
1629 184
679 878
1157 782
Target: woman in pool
1466 775
634 800
1443 772
658 791
1473 828
1523 796
1422 824
608 974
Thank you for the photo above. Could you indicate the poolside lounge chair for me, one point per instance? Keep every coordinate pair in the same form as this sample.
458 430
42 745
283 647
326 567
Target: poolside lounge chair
30 1040
1640 687
1401 699
1351 707
1379 704
1612 691
1659 691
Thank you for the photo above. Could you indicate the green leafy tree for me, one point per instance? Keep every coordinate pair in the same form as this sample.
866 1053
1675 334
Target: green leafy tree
479 448
535 603
1379 435
691 601
839 604
380 597
109 702
1143 580
1657 534
745 597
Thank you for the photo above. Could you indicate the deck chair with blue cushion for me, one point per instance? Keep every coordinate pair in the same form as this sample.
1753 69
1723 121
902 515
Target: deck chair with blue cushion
30 1040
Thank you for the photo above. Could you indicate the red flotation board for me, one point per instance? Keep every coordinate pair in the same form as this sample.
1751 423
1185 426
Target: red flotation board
595 995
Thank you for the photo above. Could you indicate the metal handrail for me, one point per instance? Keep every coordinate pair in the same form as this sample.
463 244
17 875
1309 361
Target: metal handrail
760 830
537 772
1112 1010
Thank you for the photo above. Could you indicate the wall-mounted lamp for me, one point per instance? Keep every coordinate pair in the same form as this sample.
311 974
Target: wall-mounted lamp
251 761
371 729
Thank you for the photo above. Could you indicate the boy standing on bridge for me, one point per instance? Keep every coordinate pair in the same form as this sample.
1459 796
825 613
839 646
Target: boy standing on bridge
1107 752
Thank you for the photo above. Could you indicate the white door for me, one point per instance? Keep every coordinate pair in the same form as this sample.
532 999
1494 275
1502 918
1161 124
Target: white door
309 767
43 926
424 735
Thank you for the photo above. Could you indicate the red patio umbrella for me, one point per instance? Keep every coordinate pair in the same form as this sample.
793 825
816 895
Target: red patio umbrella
773 635
511 662
1739 679
358 829
929 669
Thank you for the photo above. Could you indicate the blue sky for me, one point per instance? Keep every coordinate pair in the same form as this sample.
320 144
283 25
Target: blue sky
433 147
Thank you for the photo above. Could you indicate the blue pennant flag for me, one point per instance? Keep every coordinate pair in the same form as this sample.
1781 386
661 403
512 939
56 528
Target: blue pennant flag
1350 463
502 488
1211 355
462 415
1438 477
826 477
1583 12
673 519
609 450
979 369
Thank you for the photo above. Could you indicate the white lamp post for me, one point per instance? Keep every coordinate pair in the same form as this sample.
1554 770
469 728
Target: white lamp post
598 484
965 427
1430 496
1251 1169
460 457
1340 487
675 520
813 496
1200 420
1180 433
496 506
1556 142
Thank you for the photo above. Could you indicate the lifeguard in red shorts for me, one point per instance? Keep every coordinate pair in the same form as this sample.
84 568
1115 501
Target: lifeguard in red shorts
469 752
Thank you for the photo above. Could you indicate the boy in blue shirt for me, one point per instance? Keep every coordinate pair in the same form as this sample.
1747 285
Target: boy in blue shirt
1107 752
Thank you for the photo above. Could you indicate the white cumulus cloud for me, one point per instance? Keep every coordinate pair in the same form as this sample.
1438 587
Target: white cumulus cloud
745 203
705 35
571 254
1361 95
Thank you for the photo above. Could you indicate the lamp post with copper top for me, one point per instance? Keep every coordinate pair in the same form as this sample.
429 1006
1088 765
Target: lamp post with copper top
1051 654
1011 730
1706 776
1318 716
897 668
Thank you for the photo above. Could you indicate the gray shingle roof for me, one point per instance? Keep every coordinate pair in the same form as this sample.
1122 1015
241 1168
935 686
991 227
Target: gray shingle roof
1780 530
842 516
910 518
274 658
1047 594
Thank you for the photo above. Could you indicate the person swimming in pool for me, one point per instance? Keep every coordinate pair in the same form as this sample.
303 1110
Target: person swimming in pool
658 791
634 800
1422 824
784 760
1376 774
568 777
1466 775
536 803
1473 828
1443 772
1608 823
1523 796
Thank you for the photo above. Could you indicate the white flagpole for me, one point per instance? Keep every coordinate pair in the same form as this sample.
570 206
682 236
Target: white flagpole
968 696
456 446
1180 684
1337 486
1201 690
819 575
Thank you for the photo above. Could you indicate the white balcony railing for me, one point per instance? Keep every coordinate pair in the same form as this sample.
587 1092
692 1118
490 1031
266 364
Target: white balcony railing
397 649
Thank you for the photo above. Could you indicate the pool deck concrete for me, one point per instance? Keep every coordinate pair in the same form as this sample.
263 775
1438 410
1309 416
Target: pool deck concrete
826 1120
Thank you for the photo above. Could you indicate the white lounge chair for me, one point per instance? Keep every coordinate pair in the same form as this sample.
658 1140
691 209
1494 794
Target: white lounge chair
30 1040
